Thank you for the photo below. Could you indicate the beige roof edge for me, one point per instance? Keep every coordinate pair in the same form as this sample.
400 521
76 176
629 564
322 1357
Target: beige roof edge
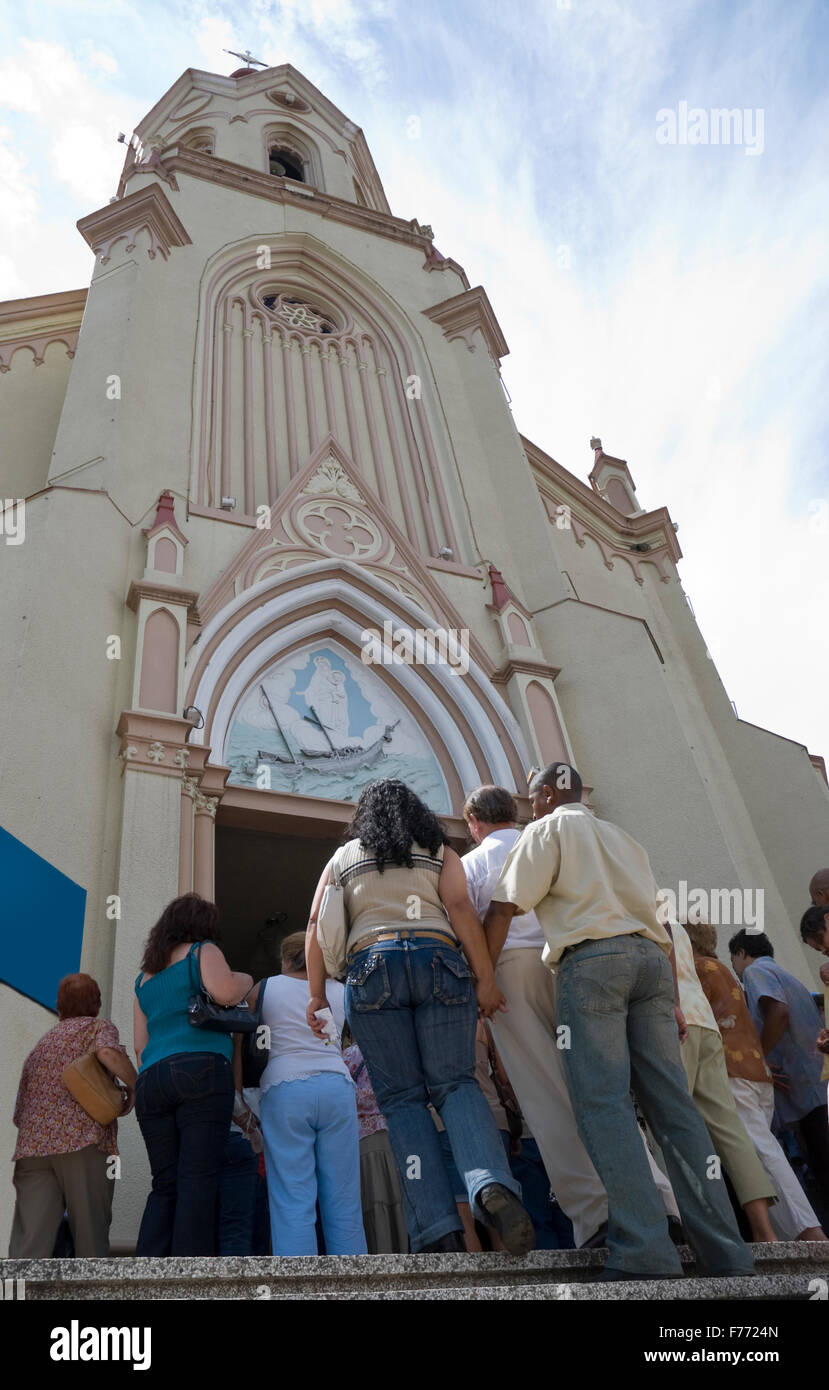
42 306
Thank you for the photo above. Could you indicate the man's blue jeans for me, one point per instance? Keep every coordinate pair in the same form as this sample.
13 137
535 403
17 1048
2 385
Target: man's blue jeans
553 1230
312 1150
616 997
411 1006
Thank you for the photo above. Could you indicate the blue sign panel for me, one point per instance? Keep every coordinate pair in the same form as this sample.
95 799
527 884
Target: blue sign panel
41 912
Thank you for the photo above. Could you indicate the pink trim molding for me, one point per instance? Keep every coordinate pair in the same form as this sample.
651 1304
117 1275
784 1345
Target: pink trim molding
147 210
465 314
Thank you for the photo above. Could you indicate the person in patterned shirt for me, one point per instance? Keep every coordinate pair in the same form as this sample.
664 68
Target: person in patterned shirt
61 1158
703 1057
792 1216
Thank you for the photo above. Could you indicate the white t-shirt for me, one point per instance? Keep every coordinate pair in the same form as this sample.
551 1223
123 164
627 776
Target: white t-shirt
482 867
295 1049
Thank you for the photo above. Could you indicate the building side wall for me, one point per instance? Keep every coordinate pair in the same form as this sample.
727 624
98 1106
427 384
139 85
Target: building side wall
31 400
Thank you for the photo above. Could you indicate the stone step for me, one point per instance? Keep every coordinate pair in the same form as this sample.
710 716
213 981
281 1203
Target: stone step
784 1271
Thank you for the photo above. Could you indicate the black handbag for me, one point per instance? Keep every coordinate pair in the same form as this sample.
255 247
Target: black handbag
204 1012
256 1046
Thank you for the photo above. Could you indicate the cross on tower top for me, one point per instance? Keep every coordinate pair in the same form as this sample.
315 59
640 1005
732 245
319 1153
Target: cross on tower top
246 57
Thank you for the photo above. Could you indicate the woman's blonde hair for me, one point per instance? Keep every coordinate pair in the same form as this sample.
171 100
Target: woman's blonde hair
293 951
703 938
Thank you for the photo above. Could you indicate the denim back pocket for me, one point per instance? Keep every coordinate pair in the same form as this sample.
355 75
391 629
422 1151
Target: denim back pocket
192 1078
601 983
453 982
368 984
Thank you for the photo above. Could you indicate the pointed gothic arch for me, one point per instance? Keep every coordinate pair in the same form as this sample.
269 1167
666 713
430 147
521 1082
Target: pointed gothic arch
266 390
472 732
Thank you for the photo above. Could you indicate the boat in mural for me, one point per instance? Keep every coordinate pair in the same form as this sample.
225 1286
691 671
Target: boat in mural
323 759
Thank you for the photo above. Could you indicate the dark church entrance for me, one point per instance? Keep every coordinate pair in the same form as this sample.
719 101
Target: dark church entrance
264 886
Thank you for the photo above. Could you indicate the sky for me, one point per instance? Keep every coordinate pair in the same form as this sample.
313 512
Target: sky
658 289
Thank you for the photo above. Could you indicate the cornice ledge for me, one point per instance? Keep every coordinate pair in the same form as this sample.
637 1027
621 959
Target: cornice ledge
621 528
244 179
166 593
63 309
154 743
528 665
149 209
460 316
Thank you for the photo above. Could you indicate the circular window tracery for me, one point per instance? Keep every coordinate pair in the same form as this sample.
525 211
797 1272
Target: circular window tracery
301 314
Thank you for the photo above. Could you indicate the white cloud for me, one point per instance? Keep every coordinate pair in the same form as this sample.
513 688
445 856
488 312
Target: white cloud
213 36
79 122
71 144
18 186
103 61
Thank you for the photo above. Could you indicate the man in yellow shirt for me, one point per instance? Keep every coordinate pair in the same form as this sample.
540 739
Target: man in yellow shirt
593 891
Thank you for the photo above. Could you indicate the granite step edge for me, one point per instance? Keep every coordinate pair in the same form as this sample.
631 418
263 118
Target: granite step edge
538 1266
776 1288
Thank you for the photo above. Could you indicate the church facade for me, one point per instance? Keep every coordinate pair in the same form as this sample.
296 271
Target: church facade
281 536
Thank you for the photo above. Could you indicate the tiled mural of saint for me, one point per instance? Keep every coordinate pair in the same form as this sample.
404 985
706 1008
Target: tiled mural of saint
320 723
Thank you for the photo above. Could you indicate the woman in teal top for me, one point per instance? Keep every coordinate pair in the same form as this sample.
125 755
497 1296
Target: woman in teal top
184 1093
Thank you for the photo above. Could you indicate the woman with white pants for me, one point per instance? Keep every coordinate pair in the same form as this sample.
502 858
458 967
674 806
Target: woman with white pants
792 1215
308 1111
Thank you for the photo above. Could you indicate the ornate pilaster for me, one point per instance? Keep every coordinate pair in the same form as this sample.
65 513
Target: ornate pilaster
205 808
527 677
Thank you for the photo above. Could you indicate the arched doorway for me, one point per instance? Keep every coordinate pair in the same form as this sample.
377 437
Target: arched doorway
299 722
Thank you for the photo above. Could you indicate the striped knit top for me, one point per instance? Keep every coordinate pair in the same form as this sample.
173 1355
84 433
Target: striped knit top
397 898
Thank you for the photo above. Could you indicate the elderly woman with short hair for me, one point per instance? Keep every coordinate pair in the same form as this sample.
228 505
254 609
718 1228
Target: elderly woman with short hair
62 1154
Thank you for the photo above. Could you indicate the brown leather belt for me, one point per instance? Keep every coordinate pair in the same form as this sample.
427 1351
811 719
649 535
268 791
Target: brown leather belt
404 933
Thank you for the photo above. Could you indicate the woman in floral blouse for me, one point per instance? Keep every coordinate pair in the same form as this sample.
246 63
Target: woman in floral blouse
61 1159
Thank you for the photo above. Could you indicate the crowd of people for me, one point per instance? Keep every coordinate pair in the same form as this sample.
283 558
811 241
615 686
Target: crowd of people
522 1053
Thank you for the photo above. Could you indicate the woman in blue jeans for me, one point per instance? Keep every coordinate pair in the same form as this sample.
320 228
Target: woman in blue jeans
412 1000
308 1109
184 1093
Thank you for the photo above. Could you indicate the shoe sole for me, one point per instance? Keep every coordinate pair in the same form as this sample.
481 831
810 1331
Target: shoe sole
511 1222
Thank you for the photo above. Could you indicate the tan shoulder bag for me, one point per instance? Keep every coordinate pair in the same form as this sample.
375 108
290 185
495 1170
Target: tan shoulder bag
92 1087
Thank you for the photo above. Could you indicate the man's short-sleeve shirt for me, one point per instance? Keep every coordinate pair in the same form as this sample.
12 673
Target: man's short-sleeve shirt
482 867
585 878
796 1052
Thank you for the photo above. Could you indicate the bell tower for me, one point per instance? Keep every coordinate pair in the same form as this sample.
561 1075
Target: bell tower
273 122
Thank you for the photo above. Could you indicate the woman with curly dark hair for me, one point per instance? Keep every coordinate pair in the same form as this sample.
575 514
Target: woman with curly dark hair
184 1093
412 1002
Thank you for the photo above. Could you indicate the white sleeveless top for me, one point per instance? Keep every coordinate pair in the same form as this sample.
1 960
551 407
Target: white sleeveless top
296 1051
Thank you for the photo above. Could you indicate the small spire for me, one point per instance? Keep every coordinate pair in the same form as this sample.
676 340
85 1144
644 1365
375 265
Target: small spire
500 593
596 444
165 514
